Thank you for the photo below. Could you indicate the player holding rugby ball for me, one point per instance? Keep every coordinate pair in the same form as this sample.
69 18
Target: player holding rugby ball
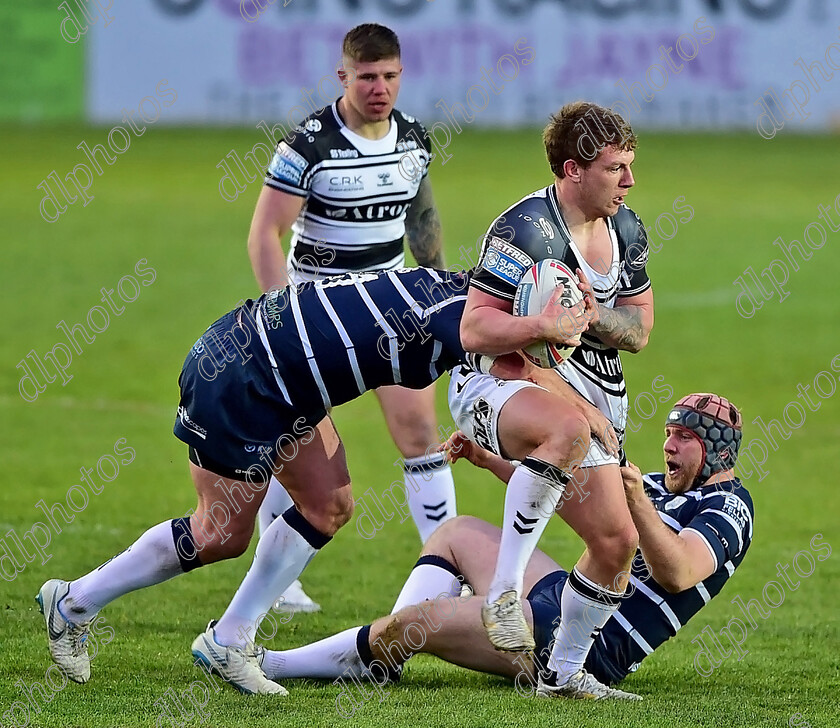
580 220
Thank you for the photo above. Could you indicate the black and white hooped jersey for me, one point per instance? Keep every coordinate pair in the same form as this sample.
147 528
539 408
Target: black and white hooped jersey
357 192
331 340
534 229
648 615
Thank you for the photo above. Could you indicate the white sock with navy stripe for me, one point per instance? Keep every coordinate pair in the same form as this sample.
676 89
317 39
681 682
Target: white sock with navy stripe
585 608
164 551
532 494
283 552
430 490
431 576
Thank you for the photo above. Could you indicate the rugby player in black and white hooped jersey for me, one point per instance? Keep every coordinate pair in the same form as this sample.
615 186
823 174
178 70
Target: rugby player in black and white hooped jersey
581 220
337 184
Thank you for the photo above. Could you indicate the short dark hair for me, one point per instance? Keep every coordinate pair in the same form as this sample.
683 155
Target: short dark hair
370 42
573 133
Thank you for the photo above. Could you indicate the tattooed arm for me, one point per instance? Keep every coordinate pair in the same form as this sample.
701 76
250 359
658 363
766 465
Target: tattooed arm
627 326
422 228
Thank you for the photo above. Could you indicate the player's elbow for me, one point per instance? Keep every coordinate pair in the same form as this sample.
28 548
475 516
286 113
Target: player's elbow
634 347
471 339
675 583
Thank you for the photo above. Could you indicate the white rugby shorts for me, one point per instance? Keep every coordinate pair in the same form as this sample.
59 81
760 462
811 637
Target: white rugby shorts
476 401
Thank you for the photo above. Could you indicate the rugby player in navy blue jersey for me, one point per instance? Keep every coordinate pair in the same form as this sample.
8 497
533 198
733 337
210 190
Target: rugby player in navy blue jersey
695 524
580 219
351 183
255 392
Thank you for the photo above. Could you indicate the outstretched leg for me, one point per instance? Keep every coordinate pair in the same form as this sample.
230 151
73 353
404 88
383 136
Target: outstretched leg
318 481
220 528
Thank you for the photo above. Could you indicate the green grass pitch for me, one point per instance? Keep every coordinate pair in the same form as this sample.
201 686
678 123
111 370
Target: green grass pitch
160 202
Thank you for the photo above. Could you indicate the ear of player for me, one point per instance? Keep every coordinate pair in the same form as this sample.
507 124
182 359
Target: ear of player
533 294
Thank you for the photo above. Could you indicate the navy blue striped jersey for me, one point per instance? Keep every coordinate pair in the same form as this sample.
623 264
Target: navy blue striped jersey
534 229
722 515
357 192
329 341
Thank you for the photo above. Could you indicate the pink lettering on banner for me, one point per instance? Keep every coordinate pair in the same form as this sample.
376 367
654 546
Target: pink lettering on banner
721 63
609 57
458 50
268 55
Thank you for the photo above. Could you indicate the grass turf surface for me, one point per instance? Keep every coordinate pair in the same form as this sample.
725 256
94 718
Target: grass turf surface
160 201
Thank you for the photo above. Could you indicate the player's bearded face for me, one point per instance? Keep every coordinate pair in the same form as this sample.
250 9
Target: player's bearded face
606 182
373 87
683 458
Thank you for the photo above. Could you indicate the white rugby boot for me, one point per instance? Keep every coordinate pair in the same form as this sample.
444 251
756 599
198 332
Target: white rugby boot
295 599
582 685
68 641
505 624
241 668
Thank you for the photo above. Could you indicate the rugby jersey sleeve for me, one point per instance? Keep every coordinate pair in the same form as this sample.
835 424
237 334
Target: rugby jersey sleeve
725 523
503 260
635 250
289 167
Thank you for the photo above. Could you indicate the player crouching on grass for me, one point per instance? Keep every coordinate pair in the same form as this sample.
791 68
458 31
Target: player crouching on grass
695 526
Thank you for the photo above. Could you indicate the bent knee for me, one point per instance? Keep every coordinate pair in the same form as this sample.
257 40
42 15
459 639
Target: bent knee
442 538
615 547
566 441
330 516
216 542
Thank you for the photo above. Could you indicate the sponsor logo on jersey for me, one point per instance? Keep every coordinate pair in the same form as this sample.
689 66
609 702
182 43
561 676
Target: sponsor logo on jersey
384 178
410 119
736 509
505 261
312 125
287 165
546 228
379 212
640 261
405 145
284 171
344 153
346 183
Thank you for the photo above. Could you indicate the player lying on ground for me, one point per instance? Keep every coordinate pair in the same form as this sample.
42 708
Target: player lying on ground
581 220
341 185
694 524
255 390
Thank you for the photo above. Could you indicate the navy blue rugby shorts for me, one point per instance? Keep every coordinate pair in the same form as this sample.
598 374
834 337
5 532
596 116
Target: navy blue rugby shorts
545 606
230 408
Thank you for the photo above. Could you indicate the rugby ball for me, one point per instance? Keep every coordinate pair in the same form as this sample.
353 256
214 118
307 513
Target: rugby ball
533 293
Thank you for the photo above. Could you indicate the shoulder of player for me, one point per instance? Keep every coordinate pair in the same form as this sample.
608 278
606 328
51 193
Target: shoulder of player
526 223
313 136
728 496
409 128
629 227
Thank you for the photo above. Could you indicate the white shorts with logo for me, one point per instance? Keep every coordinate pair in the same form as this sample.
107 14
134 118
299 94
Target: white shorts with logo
476 401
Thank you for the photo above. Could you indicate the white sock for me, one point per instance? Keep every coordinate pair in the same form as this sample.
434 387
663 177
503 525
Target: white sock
276 502
532 494
431 492
283 552
585 608
327 658
164 551
431 577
